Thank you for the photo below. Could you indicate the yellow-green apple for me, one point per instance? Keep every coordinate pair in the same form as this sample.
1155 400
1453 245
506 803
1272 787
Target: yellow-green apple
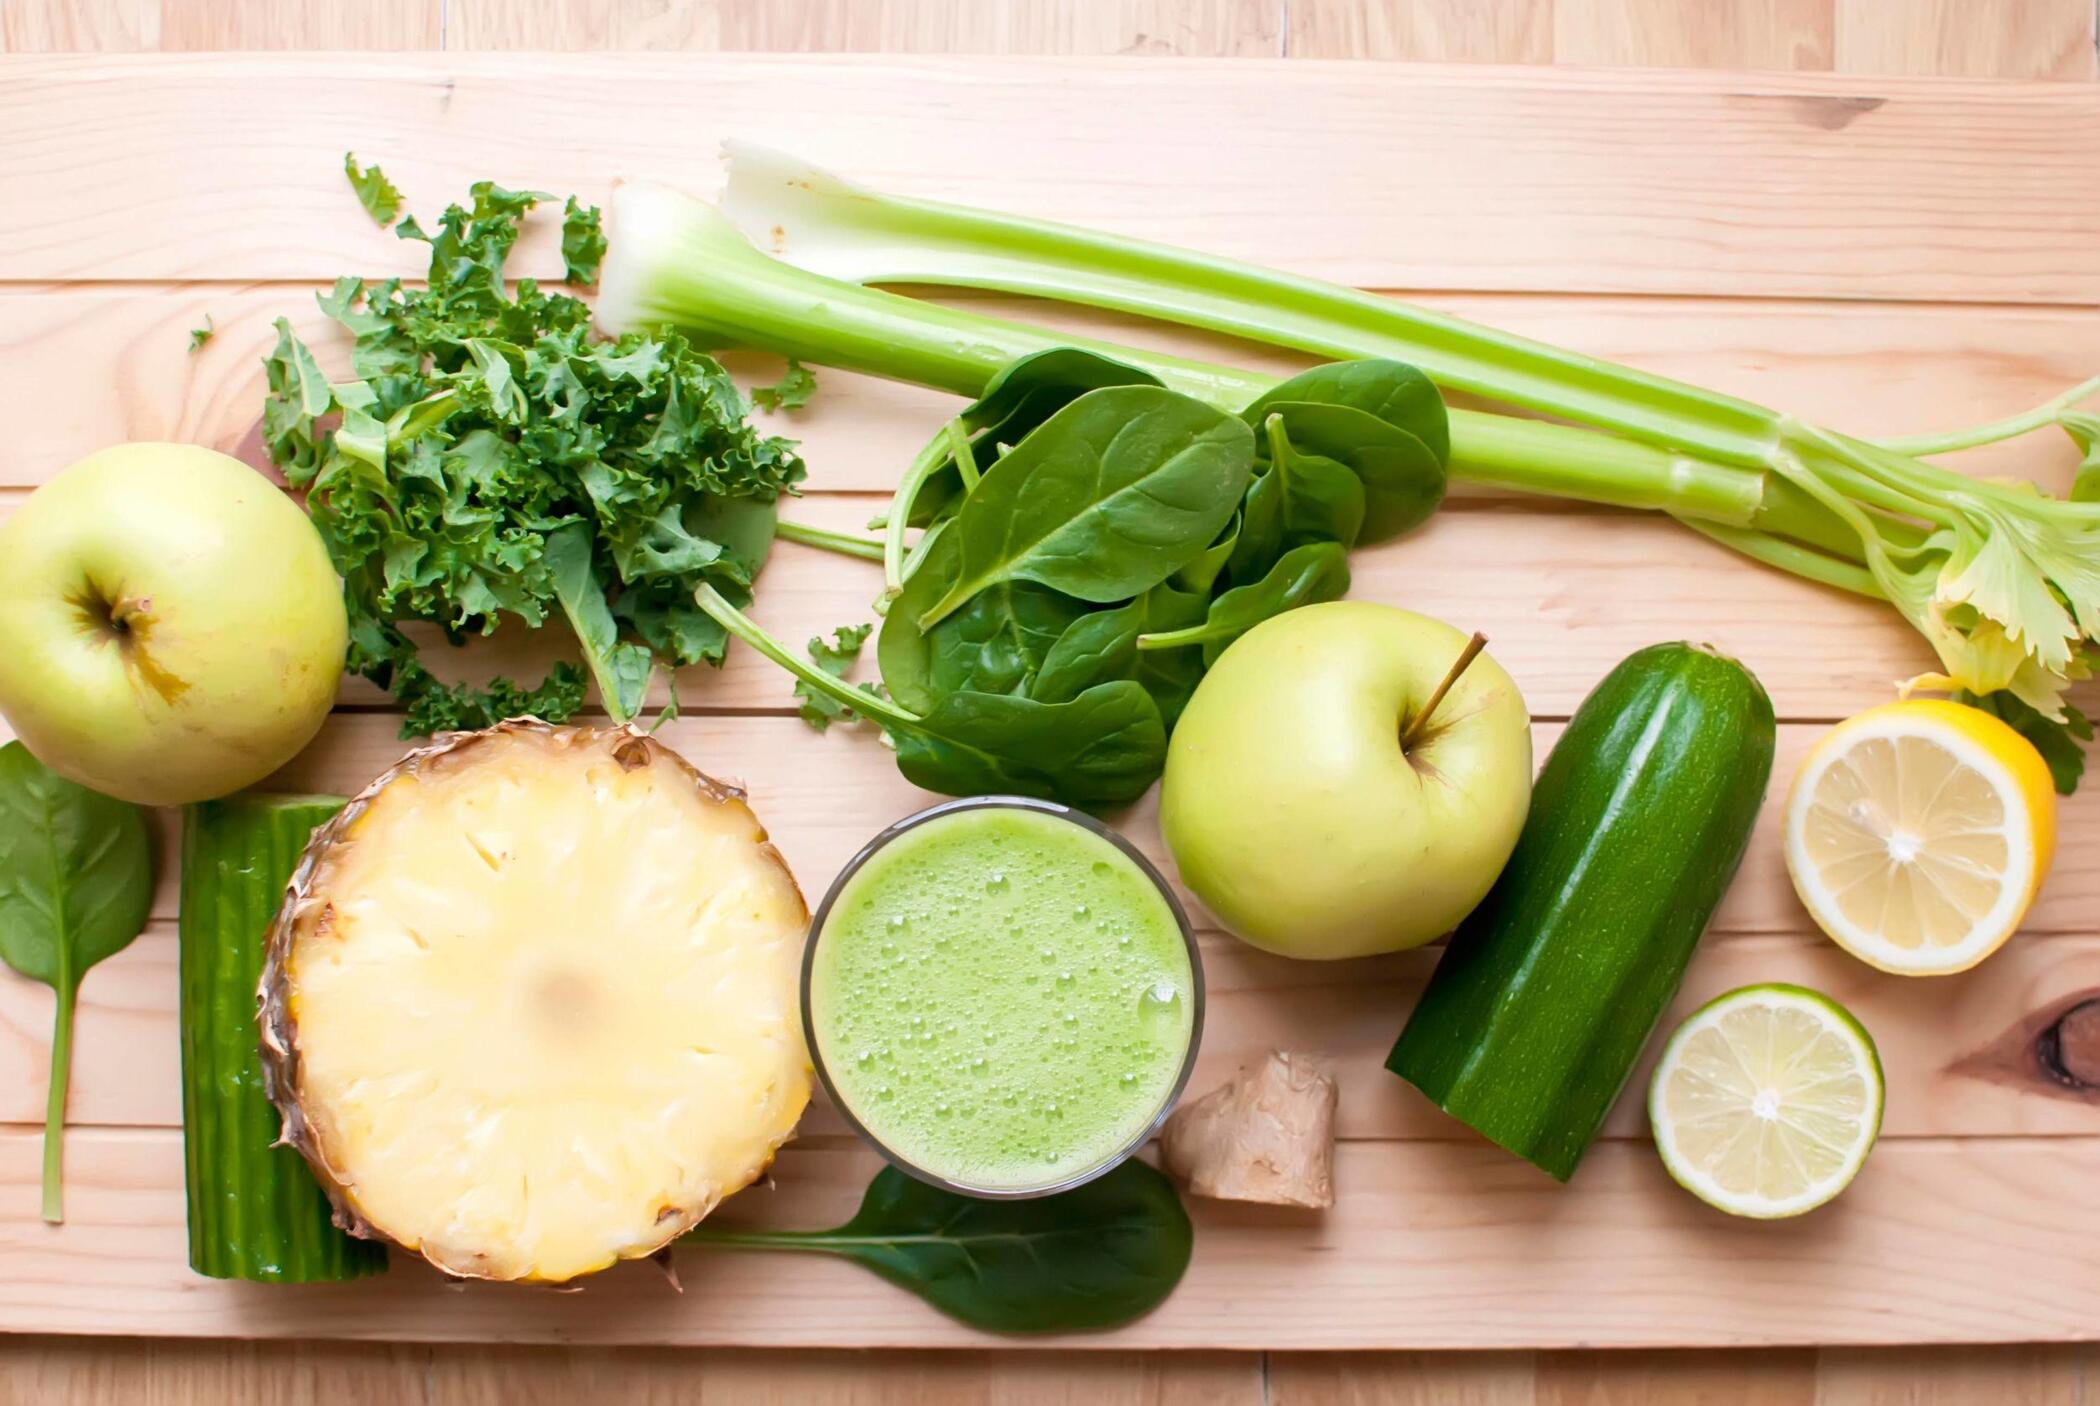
170 626
1296 813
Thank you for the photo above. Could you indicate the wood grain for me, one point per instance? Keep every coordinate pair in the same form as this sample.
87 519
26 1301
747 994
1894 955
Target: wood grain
1515 179
1775 34
1982 38
1958 1053
1189 28
1450 31
823 795
2011 37
82 367
1457 1244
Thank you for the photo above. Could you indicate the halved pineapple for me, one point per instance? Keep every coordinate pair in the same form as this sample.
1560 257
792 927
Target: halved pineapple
530 1006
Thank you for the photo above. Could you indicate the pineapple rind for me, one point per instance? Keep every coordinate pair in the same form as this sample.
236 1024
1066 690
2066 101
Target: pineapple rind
647 1032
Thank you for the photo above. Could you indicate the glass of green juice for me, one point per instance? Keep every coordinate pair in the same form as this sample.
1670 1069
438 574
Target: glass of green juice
1003 996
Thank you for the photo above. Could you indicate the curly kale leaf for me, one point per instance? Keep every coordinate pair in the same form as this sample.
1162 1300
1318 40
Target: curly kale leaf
380 197
490 459
791 392
821 710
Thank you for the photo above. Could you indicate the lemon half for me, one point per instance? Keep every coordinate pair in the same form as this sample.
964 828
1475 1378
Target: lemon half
1917 834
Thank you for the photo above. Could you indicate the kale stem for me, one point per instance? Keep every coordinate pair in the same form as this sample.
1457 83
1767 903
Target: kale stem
55 1102
844 543
737 623
2011 427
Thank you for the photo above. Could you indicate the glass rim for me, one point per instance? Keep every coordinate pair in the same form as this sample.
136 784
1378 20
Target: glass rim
1100 1167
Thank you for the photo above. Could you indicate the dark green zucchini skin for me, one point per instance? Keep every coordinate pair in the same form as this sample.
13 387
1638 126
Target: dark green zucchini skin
1532 1023
255 1210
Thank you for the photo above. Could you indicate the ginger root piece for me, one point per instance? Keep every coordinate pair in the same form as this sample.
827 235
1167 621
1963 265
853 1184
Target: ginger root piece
1268 1135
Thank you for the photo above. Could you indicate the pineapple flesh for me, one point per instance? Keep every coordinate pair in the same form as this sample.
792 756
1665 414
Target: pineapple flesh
531 1006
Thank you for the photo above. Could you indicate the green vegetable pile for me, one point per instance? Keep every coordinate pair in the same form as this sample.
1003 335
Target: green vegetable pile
1091 541
2001 580
492 458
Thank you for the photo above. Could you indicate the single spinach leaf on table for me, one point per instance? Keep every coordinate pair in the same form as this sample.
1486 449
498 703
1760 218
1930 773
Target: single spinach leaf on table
1105 499
76 884
1095 1257
1306 575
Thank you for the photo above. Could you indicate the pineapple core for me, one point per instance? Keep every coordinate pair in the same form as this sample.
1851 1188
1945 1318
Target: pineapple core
544 1000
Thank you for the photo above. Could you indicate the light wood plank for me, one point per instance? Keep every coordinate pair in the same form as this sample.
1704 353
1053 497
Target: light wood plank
1975 38
1204 28
1775 34
823 795
1767 1378
1958 1052
1506 179
53 1371
1956 1376
1577 594
1447 1245
82 367
80 26
1402 1379
1452 31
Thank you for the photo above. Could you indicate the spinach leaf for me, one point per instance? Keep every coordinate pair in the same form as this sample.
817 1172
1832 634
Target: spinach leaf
1025 393
994 644
1103 645
1098 751
1384 421
1319 499
1201 572
1306 575
76 883
1106 498
1094 1257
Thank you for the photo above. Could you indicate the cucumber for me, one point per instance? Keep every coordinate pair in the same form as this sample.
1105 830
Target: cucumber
1532 1023
255 1210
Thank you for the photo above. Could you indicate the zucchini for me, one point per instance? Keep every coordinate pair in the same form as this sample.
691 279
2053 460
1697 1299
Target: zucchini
255 1210
1540 1006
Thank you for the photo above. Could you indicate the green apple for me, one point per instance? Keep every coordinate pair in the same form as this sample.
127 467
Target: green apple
171 628
1293 809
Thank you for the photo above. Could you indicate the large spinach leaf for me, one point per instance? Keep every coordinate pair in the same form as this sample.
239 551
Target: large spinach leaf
76 883
1023 395
1105 499
1094 1257
1099 750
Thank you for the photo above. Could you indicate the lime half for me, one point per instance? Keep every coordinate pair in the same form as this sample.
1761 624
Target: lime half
1767 1101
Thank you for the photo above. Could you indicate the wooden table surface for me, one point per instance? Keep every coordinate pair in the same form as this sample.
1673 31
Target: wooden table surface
1978 38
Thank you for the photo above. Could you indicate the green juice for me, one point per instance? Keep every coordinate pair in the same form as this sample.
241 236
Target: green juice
1002 998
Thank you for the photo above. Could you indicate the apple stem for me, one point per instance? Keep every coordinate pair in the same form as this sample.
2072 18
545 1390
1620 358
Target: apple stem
1420 724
